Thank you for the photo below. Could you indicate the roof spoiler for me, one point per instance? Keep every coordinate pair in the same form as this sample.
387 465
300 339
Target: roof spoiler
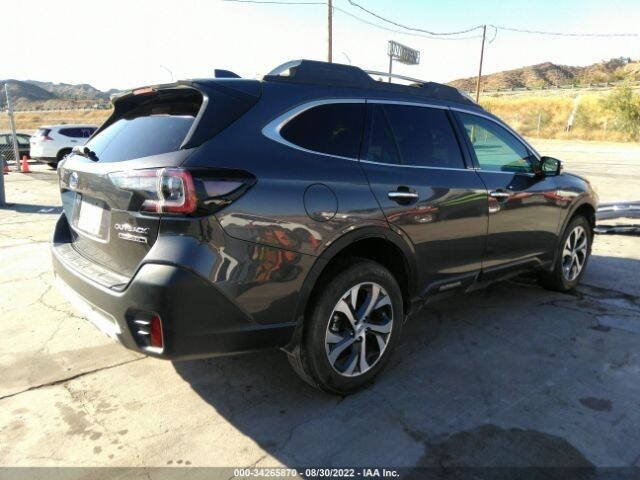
230 94
219 73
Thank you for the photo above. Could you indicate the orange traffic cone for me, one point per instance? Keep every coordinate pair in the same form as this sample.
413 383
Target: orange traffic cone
25 165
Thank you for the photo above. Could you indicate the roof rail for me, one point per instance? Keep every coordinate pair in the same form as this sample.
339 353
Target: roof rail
432 86
339 75
395 75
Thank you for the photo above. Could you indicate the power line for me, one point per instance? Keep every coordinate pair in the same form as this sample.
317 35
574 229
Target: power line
274 2
393 30
496 27
427 33
412 28
562 34
355 17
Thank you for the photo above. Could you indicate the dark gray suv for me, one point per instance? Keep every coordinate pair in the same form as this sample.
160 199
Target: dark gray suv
311 211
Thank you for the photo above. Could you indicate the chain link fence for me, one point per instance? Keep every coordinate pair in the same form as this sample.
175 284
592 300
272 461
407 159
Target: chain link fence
7 153
11 144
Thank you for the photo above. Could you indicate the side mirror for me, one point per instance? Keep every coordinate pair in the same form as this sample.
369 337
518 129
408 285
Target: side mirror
550 166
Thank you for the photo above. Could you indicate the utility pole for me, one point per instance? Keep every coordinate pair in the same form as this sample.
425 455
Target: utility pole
484 33
12 125
330 25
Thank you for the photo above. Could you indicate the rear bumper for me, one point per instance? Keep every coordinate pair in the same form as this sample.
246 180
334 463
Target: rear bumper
198 320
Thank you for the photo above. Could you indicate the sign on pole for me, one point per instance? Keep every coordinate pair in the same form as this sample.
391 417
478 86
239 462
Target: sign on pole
403 54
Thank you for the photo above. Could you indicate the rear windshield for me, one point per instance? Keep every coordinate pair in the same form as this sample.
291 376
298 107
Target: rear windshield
158 124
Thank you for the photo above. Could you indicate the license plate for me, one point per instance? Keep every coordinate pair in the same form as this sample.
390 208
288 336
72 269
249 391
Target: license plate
90 218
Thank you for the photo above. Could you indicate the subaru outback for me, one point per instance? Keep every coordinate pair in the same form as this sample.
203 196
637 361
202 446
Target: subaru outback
313 211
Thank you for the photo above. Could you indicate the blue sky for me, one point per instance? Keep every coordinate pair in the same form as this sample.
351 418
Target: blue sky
124 44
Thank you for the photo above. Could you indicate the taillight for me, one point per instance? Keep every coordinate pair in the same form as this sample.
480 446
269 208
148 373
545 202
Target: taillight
177 190
43 134
144 91
164 189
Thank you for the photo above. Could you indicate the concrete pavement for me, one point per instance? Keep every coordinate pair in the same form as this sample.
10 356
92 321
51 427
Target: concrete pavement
512 375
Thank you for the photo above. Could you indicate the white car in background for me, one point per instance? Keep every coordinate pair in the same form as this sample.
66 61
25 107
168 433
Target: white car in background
51 143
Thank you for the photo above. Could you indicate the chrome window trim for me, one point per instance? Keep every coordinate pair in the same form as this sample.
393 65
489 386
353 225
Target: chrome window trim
272 129
418 166
409 104
528 174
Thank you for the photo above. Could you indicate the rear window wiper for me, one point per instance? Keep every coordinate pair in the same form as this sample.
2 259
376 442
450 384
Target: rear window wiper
85 152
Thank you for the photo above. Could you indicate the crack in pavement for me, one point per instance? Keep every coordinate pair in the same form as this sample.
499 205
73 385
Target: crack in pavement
72 377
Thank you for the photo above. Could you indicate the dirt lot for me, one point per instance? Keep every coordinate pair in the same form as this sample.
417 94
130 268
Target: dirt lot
513 375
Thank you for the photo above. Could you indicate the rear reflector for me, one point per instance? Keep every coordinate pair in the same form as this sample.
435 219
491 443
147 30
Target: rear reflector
156 332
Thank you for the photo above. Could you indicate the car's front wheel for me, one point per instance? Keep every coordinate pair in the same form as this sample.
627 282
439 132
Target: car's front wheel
353 324
572 256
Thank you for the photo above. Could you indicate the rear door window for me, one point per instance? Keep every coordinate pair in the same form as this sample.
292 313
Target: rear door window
424 136
382 146
334 129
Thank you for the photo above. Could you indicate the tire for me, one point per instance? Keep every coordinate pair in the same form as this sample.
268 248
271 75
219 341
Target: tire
572 256
62 153
344 348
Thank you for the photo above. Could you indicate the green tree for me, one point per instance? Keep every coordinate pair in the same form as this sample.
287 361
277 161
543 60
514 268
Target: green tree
625 106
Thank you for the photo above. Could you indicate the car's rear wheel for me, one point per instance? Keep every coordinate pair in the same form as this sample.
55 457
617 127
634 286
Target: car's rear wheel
352 326
61 154
572 256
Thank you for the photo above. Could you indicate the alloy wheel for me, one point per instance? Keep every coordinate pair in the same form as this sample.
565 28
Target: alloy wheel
574 254
359 329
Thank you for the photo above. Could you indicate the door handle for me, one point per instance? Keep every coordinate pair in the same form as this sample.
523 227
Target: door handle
402 195
499 194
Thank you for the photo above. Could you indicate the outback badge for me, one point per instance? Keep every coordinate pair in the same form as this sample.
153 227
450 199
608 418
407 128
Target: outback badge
131 233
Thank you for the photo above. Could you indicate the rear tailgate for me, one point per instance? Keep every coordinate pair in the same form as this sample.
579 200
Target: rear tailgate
107 226
150 129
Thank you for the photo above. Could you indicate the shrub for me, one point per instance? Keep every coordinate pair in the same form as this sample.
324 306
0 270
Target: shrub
625 107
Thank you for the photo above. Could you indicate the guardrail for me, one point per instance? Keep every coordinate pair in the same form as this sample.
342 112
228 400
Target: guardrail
573 86
77 109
